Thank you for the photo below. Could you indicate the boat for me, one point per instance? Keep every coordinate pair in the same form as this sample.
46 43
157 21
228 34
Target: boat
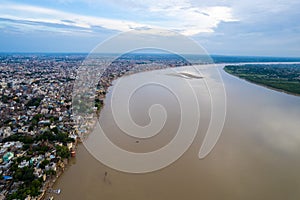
56 191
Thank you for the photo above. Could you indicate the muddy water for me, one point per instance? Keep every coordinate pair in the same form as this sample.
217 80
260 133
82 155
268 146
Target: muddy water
256 157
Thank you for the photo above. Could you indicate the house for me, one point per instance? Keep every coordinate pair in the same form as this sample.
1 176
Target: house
70 145
38 172
20 154
23 164
6 165
8 156
51 166
44 122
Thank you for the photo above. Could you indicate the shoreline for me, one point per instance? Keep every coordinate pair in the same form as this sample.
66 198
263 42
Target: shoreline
48 185
263 85
97 113
266 86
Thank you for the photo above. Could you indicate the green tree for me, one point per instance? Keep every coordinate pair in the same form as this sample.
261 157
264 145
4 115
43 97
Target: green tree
62 151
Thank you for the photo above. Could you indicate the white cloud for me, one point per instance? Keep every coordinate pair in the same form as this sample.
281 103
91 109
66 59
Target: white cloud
178 15
44 15
182 15
265 27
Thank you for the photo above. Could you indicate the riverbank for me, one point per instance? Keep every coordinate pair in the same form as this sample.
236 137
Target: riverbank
248 162
103 97
104 84
280 77
49 185
62 166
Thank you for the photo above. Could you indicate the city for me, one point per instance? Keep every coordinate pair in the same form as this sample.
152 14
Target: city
149 100
37 130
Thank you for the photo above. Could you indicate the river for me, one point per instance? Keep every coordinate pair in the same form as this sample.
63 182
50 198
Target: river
257 155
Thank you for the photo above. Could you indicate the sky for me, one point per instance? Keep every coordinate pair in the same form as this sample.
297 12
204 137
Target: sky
223 27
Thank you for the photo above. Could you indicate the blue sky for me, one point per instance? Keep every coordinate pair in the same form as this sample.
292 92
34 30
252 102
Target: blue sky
244 27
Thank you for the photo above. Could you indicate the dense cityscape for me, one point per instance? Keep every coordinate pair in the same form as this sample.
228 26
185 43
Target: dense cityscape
149 100
38 133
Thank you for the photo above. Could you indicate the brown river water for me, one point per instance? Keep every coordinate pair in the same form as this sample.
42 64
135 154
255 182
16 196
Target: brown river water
257 155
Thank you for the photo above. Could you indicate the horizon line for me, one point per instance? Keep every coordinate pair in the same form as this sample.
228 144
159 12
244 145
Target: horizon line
225 55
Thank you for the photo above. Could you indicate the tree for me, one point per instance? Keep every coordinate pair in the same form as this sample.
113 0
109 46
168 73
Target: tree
44 163
62 151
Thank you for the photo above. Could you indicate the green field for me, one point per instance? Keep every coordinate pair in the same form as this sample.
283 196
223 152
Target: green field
285 77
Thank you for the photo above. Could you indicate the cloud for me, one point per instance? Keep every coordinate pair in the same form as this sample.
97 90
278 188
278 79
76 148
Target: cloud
265 27
191 21
45 18
176 15
180 15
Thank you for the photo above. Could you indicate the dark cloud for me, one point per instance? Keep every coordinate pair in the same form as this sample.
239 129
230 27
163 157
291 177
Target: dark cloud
67 21
58 26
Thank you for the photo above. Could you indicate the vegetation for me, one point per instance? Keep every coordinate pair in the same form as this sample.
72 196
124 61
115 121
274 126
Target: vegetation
30 185
26 139
34 121
32 189
284 77
98 104
47 135
51 136
62 151
34 102
5 98
44 163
